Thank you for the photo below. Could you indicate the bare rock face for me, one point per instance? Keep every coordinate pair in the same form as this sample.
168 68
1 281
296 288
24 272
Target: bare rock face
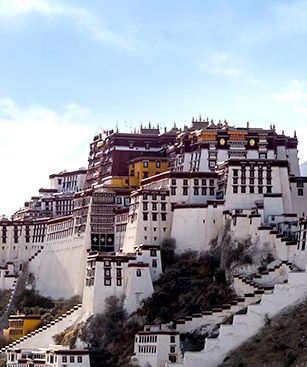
240 256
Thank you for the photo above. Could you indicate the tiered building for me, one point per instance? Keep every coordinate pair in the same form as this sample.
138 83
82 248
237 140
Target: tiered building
55 201
98 232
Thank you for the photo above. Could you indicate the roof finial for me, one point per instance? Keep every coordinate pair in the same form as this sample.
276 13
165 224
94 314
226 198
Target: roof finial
295 133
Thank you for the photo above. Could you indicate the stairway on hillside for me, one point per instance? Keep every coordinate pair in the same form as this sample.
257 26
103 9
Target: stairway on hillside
18 287
277 273
43 336
248 322
249 291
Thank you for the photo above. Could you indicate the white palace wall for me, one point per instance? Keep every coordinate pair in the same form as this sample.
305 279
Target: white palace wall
59 269
194 227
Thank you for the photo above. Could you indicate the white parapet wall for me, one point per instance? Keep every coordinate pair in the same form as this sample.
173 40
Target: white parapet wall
206 321
246 325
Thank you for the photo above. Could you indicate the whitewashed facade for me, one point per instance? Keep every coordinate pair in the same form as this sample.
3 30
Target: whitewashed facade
55 356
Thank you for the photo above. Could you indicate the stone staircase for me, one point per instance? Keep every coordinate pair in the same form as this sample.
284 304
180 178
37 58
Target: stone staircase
207 320
284 246
6 312
248 291
276 274
248 322
18 287
43 336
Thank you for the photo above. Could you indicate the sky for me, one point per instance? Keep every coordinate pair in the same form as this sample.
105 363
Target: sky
72 68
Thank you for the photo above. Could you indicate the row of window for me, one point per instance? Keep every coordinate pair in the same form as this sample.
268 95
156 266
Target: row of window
120 227
153 339
235 181
243 189
145 164
121 218
89 282
196 182
147 339
147 349
154 206
196 191
252 172
152 349
34 239
60 234
108 282
154 217
132 144
154 197
72 359
60 226
123 200
107 273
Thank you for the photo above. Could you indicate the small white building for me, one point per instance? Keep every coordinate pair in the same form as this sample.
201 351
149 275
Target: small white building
155 347
68 182
55 356
119 275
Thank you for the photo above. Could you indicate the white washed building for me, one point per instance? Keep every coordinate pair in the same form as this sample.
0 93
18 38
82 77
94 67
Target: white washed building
155 347
55 356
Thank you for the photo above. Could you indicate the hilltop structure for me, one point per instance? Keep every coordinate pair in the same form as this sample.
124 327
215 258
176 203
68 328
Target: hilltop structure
98 232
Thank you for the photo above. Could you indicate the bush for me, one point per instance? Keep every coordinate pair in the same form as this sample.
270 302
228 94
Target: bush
168 256
291 357
110 335
29 300
192 283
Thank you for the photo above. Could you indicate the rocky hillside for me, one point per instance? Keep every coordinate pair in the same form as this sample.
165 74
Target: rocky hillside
283 342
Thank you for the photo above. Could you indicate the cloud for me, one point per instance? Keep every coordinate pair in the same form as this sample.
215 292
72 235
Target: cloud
13 8
36 141
220 64
295 94
281 20
83 20
229 66
291 17
291 95
300 109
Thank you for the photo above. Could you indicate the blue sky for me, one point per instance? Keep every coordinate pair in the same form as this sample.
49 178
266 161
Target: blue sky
70 68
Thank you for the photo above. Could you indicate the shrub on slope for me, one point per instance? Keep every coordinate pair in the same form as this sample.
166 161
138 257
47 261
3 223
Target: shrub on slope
192 283
282 342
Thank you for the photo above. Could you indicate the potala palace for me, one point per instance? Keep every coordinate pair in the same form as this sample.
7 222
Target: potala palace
97 232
